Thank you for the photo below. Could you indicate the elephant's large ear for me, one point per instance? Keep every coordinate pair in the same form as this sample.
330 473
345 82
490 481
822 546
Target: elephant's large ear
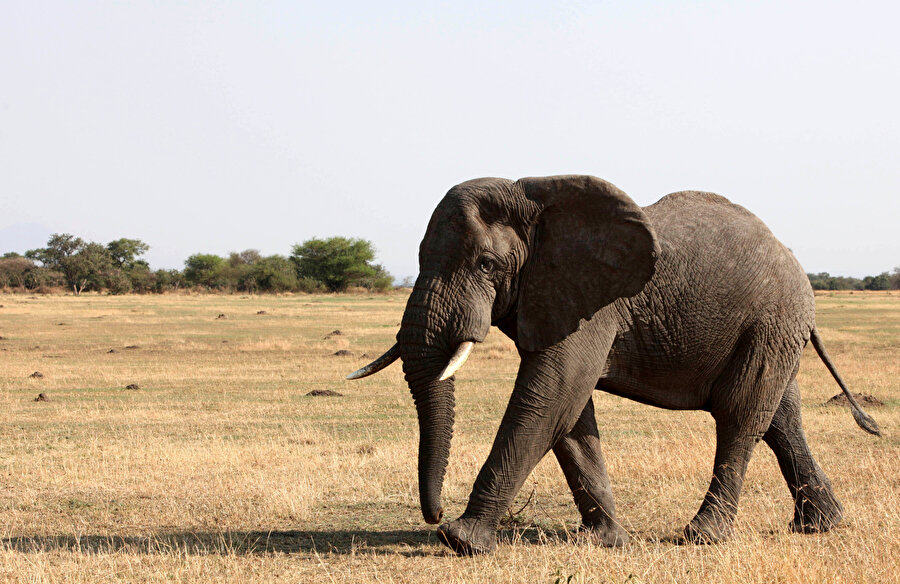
591 245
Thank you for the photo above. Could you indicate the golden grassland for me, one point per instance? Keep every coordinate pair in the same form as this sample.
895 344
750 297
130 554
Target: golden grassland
219 468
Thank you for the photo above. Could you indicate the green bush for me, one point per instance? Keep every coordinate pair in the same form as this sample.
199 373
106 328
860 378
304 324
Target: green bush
118 282
340 262
142 279
310 286
14 271
880 282
275 274
204 269
167 280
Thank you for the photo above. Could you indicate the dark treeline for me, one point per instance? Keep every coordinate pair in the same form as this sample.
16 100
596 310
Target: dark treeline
335 264
883 281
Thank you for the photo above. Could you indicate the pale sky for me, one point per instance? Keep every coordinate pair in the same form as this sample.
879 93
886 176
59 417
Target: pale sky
216 127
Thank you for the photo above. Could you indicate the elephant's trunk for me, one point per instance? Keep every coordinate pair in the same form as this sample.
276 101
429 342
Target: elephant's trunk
425 352
434 404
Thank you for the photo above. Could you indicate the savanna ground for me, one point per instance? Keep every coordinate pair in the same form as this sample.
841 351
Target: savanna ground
220 468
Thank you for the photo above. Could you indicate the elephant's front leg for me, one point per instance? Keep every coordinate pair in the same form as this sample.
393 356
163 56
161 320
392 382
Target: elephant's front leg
581 459
551 391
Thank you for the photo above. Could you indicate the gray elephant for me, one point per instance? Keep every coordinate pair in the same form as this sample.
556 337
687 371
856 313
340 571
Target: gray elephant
688 304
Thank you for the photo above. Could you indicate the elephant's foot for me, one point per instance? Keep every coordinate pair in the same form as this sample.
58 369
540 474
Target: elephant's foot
604 535
816 510
468 536
707 529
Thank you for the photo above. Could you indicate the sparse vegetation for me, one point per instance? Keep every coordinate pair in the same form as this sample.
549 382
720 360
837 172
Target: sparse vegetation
219 467
335 264
883 281
86 266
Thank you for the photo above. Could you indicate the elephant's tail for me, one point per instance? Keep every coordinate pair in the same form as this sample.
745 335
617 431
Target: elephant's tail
865 421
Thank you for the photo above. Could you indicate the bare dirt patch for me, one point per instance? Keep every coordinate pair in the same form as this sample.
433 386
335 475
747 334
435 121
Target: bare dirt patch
324 393
863 399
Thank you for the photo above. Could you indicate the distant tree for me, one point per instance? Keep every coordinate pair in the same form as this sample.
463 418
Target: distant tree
238 274
248 257
204 269
125 252
338 262
895 279
60 247
310 286
118 281
18 271
84 265
90 269
380 281
167 280
14 270
41 278
130 273
880 282
825 281
141 277
274 273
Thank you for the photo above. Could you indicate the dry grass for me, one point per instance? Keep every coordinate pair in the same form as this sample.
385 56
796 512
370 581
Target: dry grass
219 468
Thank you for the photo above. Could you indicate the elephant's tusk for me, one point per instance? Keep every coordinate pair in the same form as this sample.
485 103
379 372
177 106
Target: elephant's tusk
378 364
456 361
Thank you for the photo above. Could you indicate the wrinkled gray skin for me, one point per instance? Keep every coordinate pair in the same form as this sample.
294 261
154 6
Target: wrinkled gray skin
690 303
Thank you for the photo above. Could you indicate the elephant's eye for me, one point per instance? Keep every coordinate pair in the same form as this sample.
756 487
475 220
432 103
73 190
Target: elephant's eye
487 265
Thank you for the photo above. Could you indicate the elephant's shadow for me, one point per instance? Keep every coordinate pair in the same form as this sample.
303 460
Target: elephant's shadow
409 543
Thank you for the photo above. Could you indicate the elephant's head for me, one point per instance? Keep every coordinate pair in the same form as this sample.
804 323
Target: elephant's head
536 256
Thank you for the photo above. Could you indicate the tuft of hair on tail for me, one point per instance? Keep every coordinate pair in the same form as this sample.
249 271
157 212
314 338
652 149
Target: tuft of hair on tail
863 420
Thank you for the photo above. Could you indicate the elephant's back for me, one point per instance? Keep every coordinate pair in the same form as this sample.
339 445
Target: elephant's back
722 253
720 272
722 246
694 198
681 214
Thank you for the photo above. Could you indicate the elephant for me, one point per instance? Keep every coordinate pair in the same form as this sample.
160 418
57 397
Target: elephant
687 304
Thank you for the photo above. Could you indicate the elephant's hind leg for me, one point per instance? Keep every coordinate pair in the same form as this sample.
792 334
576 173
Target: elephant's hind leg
742 403
581 459
815 506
